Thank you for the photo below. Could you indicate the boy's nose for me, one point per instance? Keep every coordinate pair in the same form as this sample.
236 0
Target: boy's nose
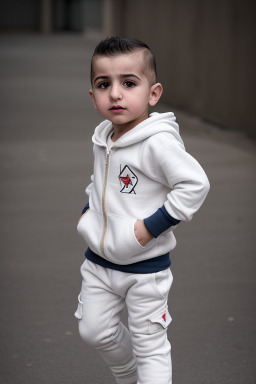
115 92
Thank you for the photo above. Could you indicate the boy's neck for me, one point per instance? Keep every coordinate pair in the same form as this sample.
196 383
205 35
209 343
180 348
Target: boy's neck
121 129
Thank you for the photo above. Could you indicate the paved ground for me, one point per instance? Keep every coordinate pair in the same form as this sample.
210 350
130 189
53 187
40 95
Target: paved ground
46 125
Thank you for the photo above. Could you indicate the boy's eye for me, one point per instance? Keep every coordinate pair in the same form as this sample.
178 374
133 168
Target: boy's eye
129 84
103 85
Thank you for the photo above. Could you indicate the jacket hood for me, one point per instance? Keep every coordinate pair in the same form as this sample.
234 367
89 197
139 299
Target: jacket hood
155 124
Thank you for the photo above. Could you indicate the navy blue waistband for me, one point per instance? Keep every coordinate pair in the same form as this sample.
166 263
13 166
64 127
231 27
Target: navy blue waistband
156 264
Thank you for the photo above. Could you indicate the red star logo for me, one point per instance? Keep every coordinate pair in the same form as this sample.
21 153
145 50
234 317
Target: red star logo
126 180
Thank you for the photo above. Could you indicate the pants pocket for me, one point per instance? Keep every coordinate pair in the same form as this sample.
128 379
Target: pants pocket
159 321
79 312
161 283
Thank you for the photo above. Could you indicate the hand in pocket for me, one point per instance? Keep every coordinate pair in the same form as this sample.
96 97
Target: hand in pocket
142 235
83 215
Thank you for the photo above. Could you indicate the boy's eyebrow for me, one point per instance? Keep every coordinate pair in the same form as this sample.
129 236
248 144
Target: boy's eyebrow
130 75
100 78
107 77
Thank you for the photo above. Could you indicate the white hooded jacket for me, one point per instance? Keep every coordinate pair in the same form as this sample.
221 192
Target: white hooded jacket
147 168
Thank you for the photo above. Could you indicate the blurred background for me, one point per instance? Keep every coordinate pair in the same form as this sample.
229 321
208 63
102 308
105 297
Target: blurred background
206 60
205 49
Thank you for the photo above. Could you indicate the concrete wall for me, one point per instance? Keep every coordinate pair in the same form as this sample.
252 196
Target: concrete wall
50 15
19 15
205 52
92 14
76 15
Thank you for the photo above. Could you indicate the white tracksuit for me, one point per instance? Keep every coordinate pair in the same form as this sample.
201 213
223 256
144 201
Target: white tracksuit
146 169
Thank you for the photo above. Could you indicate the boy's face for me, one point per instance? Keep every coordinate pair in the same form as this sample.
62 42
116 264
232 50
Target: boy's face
121 90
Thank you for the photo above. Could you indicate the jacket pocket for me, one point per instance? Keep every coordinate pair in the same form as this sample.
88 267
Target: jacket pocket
90 228
121 243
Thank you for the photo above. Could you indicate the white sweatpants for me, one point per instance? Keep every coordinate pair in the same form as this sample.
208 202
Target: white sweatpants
142 354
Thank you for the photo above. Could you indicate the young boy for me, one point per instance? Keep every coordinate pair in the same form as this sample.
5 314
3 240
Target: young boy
144 184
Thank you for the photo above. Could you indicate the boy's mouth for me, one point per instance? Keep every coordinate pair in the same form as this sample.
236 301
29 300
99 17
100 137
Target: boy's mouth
116 108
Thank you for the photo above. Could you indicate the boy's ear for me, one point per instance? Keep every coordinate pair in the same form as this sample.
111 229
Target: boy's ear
92 97
155 94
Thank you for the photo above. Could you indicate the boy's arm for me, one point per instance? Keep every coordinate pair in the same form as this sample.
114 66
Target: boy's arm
154 225
189 187
160 221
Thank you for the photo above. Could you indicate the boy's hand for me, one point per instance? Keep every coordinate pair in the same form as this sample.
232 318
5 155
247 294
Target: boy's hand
83 214
142 234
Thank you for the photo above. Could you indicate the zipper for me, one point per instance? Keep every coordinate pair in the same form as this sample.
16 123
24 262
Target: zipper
104 213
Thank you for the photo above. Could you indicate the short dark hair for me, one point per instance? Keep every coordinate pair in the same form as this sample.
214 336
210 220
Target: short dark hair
115 45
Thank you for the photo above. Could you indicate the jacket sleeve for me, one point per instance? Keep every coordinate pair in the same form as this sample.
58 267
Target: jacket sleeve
188 185
88 191
85 209
159 222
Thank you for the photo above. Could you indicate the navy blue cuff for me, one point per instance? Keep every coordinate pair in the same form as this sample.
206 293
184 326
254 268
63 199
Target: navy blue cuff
85 209
159 222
